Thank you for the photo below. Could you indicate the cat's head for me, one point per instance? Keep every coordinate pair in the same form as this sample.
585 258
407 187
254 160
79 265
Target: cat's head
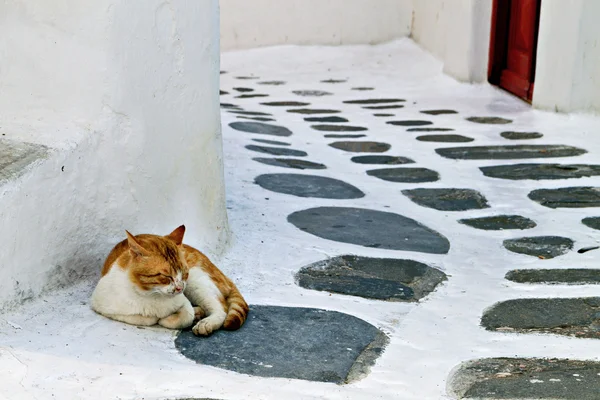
157 264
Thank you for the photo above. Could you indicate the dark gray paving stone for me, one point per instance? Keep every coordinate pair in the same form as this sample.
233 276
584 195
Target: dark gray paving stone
489 120
499 222
251 113
414 122
251 95
285 104
277 151
334 80
338 128
429 129
333 119
382 160
405 175
387 279
272 83
247 77
263 129
543 247
309 111
222 92
578 317
243 89
555 276
370 228
448 199
383 107
510 152
16 157
383 115
299 185
291 342
592 222
261 119
338 136
290 163
568 197
373 101
541 171
445 138
274 142
526 378
439 112
362 88
511 135
361 147
230 106
311 93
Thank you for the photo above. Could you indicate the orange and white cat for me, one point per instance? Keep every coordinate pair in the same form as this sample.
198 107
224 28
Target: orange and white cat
150 279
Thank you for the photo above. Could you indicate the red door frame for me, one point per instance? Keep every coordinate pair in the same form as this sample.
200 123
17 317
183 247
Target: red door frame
499 36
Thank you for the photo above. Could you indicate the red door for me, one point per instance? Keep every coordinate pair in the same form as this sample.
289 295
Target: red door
513 45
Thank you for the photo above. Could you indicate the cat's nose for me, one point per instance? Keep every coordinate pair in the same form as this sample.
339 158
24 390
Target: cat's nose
179 289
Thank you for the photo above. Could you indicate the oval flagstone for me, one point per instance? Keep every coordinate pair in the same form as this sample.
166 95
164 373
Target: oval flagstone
277 151
543 247
562 316
387 279
338 128
333 119
510 135
308 186
541 171
526 378
581 276
569 197
448 199
261 128
290 163
509 152
592 222
445 138
382 160
410 123
361 147
499 222
291 342
490 120
407 175
370 228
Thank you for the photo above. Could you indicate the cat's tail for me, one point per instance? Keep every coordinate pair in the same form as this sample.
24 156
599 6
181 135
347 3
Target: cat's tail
237 310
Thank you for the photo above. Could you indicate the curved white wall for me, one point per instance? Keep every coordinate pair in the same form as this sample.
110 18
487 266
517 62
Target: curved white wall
568 57
255 23
457 32
126 95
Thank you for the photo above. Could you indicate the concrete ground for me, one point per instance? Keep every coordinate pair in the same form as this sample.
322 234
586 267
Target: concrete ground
378 266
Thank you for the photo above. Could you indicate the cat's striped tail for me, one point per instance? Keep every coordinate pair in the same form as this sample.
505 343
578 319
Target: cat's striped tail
237 310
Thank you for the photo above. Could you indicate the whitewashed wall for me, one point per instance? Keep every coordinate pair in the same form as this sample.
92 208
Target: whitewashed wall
130 109
457 32
256 23
568 57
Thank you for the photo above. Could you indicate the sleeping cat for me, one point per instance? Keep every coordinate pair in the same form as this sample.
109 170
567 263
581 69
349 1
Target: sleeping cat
150 279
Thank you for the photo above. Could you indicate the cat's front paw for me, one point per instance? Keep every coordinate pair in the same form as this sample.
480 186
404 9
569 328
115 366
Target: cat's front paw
203 328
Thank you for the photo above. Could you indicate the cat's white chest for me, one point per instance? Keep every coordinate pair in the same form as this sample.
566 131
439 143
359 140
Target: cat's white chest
116 294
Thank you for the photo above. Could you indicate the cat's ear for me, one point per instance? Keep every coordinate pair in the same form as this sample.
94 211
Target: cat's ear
134 246
177 235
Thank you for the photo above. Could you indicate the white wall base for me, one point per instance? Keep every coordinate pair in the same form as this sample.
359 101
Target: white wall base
130 110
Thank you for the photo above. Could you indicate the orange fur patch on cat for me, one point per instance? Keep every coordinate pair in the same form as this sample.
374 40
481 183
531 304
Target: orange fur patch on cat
149 279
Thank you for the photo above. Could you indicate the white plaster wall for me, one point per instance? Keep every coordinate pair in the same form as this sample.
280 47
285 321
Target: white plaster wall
130 108
256 23
568 57
457 32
